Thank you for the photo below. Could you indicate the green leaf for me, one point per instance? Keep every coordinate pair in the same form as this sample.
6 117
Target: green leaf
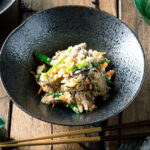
147 9
78 80
74 108
70 49
107 79
106 61
95 64
42 57
37 77
84 45
56 94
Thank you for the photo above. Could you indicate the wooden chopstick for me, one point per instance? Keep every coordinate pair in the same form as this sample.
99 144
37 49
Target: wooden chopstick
62 141
127 125
125 137
80 140
63 134
83 131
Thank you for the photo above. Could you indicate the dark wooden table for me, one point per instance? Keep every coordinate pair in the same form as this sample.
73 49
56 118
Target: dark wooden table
20 125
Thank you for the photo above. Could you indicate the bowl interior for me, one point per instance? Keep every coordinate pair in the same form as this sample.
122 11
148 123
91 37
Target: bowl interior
56 29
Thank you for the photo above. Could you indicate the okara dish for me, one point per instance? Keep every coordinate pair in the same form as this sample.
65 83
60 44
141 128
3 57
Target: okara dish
74 77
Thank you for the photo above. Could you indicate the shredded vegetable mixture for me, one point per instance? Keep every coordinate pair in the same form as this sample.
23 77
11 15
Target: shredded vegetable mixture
74 77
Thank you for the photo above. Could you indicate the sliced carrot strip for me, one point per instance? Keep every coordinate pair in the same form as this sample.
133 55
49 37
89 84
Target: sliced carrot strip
53 106
33 73
40 90
110 73
57 55
73 80
91 107
102 53
86 83
104 65
63 98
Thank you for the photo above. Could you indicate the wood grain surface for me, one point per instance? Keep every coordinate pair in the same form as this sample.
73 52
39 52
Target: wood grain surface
2 92
109 6
24 126
140 108
6 26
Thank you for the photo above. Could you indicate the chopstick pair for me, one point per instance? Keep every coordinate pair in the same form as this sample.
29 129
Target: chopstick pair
17 143
79 140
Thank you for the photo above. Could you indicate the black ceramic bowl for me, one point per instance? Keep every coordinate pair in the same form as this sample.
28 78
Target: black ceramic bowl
5 4
58 28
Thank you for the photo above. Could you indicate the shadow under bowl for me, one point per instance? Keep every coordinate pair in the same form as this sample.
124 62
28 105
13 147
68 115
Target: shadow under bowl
5 4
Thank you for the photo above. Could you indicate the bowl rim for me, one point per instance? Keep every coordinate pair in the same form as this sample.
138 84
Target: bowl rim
3 10
70 124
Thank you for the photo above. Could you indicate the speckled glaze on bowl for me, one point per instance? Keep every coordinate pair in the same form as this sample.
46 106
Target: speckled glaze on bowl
58 28
5 4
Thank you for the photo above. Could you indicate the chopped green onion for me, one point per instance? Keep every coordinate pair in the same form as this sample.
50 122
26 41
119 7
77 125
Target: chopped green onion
56 94
107 79
84 45
42 57
37 77
82 64
49 94
70 49
78 80
95 64
107 61
74 68
58 63
74 108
